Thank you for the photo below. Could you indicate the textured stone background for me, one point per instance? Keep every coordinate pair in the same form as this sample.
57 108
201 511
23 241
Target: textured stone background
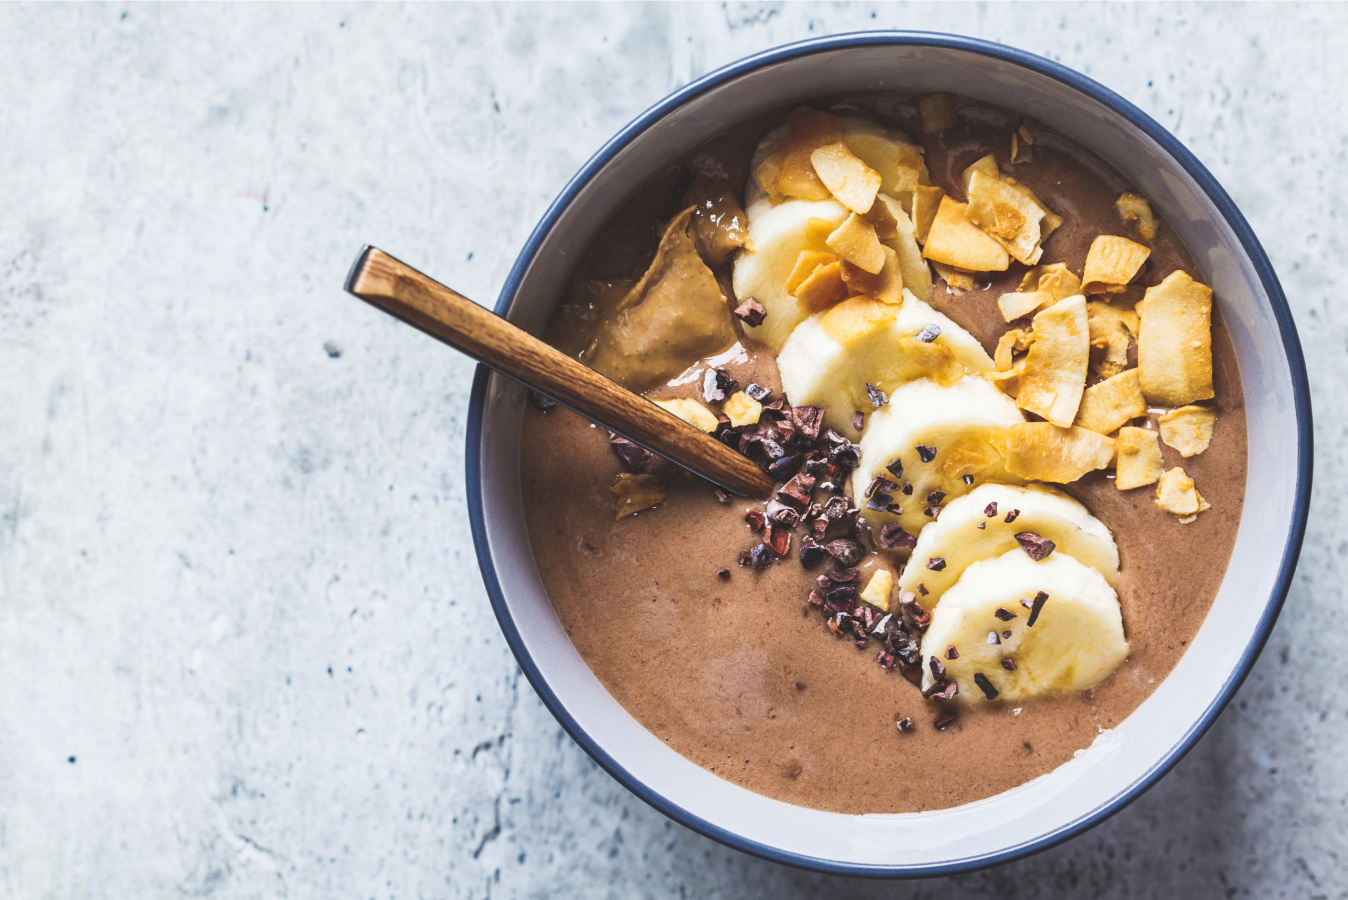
244 649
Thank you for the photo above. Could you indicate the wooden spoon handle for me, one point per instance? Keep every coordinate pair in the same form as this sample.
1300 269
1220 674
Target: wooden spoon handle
418 300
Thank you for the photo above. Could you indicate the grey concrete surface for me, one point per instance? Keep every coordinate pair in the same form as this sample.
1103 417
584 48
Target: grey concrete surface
244 648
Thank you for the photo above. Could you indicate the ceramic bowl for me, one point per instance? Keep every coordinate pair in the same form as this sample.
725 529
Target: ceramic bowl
1128 759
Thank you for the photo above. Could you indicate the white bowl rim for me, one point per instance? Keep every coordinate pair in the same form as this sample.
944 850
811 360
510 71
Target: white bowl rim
1249 244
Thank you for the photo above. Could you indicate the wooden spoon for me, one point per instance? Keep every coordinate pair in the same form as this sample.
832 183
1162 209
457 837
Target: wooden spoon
406 294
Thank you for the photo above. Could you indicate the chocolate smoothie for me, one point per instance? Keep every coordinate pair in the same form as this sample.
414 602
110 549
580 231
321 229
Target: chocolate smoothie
740 674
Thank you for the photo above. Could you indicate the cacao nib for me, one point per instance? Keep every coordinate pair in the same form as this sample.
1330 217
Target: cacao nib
758 393
1039 600
1009 664
816 598
1004 614
807 420
982 526
991 509
726 382
1011 516
931 512
905 725
968 479
947 693
937 668
796 492
819 527
936 497
925 452
864 536
745 558
760 557
936 563
782 514
993 639
879 502
634 456
541 401
896 468
755 520
811 553
876 396
858 420
838 508
847 553
912 673
922 589
985 686
929 333
1035 547
772 450
751 312
778 537
1006 635
783 467
817 468
882 484
844 576
835 628
951 652
723 574
893 537
907 489
943 722
721 496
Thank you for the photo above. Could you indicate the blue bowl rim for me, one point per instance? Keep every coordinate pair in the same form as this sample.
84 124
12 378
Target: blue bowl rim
1301 402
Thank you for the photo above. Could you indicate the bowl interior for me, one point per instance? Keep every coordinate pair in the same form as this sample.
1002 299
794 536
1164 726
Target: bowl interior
1122 762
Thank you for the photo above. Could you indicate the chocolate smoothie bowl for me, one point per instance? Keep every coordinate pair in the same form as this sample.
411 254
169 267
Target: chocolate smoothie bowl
1039 423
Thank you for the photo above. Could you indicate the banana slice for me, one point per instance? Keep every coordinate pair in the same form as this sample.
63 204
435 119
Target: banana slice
957 540
1075 643
830 357
932 437
779 234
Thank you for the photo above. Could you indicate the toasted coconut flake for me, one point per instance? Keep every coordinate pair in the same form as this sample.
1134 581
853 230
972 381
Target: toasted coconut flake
767 173
1112 403
1139 458
1015 305
935 356
1007 214
926 201
938 112
883 219
887 287
1135 209
1174 347
1014 341
853 183
637 492
1054 279
1111 328
1175 493
1112 262
692 412
808 131
742 409
855 241
1045 452
1008 380
877 590
1188 429
822 289
957 280
987 165
806 263
1055 370
956 241
916 275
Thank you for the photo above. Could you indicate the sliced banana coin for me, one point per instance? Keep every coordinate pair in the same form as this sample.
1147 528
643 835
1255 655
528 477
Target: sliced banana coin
932 444
1075 642
831 357
984 523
